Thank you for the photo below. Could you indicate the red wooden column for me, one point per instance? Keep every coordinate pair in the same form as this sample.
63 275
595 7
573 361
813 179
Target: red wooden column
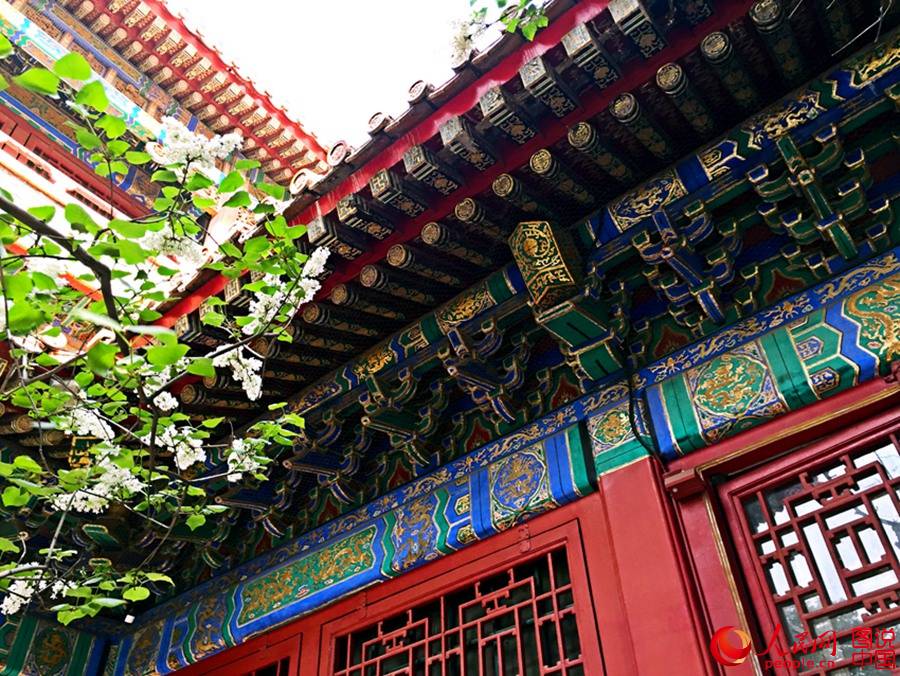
646 608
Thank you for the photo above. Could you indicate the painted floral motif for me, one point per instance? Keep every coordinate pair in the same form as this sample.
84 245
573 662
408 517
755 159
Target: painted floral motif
519 486
50 651
733 389
208 636
307 575
877 310
415 534
608 430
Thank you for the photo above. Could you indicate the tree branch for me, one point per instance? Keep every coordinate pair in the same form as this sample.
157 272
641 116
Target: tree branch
103 274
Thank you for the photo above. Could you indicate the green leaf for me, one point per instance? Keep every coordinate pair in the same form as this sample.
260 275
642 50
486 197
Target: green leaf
201 366
24 317
93 96
4 84
231 182
46 360
7 545
194 521
132 252
244 165
87 140
137 157
108 602
230 249
117 149
166 354
214 319
148 315
211 422
198 181
18 286
295 231
159 577
239 199
257 245
45 214
203 202
38 80
79 218
96 318
101 357
14 497
112 125
164 176
128 228
65 617
6 47
73 66
27 463
136 594
276 191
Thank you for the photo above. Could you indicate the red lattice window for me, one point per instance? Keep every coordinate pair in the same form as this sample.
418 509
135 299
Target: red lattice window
824 545
516 622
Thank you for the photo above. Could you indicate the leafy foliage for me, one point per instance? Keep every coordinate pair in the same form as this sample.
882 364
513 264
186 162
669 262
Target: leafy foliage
526 16
77 311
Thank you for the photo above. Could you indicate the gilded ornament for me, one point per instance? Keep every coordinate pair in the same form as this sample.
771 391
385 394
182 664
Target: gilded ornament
874 63
541 161
549 275
715 46
646 199
669 76
464 307
373 362
791 113
877 310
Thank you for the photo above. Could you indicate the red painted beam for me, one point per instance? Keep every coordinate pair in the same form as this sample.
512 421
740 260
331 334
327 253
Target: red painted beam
512 156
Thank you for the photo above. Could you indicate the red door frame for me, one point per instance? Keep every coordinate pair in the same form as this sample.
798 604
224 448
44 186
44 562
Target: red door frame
388 599
733 493
852 418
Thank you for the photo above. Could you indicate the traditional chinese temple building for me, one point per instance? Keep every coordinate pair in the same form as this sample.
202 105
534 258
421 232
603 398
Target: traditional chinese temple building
151 66
605 360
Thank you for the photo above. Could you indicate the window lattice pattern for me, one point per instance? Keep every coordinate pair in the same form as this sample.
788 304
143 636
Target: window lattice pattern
828 544
518 622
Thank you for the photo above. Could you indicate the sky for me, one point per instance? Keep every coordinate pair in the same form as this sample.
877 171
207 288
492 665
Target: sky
331 63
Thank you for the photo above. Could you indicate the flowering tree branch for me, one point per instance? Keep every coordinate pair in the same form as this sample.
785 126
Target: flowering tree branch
107 379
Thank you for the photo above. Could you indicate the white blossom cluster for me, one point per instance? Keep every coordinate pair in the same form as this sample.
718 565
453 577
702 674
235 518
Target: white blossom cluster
186 448
114 482
266 306
165 402
463 36
20 593
182 247
179 145
244 370
241 457
22 590
85 422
